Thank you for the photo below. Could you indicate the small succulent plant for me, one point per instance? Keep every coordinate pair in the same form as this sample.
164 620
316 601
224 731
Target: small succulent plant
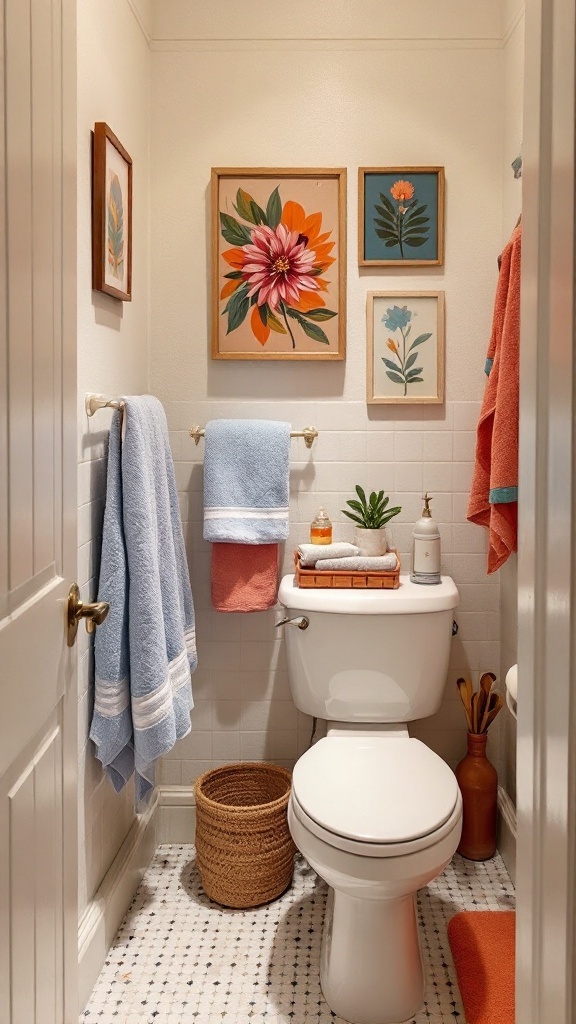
371 513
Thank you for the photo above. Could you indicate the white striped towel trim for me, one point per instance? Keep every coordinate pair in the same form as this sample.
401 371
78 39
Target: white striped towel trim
111 699
235 512
153 707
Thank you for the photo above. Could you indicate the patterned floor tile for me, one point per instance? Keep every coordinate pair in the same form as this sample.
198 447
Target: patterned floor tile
178 958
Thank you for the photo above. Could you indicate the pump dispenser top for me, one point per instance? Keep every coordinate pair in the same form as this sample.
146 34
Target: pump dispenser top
426 548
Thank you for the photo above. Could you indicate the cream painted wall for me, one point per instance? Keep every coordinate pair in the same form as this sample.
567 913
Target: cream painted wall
272 101
113 86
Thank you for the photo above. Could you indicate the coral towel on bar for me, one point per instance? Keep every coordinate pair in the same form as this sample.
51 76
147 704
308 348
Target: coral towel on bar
246 470
146 648
494 494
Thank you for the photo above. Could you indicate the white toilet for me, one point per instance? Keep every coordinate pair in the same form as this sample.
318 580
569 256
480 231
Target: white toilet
376 813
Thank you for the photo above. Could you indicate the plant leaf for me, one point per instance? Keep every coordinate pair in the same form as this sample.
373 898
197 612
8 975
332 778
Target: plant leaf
390 364
361 494
237 309
391 242
413 373
355 505
274 323
414 242
384 232
416 380
234 275
414 212
385 214
387 203
420 340
391 513
415 222
248 209
274 209
232 231
316 333
320 314
356 519
410 361
395 377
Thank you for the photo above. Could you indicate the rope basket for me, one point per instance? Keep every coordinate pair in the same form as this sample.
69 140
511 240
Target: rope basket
244 850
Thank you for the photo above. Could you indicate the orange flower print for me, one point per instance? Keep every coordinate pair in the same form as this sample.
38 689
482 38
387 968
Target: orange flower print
402 190
392 346
403 221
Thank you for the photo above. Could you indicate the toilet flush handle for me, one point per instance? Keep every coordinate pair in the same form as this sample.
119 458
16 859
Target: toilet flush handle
301 621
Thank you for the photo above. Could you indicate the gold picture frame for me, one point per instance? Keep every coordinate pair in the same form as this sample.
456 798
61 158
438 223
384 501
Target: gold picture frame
278 263
405 348
401 216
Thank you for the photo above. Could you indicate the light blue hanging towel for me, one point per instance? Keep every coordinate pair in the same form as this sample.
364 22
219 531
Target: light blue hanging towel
246 480
145 651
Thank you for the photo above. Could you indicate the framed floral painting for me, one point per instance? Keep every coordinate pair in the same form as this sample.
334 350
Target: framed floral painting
400 216
111 215
278 263
405 350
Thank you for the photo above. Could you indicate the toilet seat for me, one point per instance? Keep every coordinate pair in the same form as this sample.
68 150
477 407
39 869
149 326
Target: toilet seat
375 796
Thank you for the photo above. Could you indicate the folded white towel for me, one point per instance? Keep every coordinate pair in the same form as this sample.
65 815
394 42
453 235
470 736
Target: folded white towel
309 554
361 563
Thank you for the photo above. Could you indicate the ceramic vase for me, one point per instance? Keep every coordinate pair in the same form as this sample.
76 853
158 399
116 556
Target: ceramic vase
478 781
371 542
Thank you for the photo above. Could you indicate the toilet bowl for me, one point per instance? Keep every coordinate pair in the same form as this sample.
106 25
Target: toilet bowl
376 813
377 817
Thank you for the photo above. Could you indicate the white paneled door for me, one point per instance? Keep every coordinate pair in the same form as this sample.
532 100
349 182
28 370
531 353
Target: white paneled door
38 842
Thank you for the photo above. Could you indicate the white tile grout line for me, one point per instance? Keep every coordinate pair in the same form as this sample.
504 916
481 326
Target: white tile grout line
179 958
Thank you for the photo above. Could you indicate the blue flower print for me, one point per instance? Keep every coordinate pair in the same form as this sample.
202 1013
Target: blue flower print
397 318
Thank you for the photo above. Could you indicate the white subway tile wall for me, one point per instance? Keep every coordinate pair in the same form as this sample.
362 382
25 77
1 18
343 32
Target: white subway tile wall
243 708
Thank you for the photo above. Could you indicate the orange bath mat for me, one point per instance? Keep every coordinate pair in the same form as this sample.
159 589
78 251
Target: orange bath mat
483 947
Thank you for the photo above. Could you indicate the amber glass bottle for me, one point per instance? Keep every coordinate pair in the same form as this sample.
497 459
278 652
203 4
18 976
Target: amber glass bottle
321 528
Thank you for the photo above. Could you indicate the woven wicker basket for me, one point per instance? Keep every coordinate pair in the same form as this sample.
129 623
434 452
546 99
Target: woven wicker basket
244 850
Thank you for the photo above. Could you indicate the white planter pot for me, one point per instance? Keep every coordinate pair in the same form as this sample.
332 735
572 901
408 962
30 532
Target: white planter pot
371 542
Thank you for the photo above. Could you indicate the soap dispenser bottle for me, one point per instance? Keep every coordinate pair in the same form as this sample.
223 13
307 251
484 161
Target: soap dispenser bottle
426 548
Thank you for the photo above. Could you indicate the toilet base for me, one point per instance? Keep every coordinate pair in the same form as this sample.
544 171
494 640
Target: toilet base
371 968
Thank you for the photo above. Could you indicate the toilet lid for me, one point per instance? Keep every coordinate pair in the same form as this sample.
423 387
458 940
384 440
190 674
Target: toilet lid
374 789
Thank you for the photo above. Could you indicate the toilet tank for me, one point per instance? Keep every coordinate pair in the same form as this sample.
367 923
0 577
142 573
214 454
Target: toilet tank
369 655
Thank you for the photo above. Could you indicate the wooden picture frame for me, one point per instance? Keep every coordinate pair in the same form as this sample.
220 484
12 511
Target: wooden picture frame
405 362
278 263
401 216
111 215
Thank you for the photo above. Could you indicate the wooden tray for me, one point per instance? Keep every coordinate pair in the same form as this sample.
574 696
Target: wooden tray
345 579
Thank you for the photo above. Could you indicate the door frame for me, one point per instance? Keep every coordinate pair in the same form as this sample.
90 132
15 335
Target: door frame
70 492
546 753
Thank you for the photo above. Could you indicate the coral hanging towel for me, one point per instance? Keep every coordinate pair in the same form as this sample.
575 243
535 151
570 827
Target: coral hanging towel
494 495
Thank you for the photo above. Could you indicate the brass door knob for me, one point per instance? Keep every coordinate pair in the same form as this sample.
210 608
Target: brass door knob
93 614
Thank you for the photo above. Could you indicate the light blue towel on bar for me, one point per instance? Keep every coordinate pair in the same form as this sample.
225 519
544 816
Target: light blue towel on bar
246 470
146 649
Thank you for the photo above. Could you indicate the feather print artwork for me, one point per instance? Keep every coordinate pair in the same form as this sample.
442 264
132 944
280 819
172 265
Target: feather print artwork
115 227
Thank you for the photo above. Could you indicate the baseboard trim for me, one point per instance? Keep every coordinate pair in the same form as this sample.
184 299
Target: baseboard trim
507 832
101 919
176 814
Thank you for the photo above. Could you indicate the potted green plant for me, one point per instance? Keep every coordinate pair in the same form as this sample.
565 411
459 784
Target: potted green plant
371 516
